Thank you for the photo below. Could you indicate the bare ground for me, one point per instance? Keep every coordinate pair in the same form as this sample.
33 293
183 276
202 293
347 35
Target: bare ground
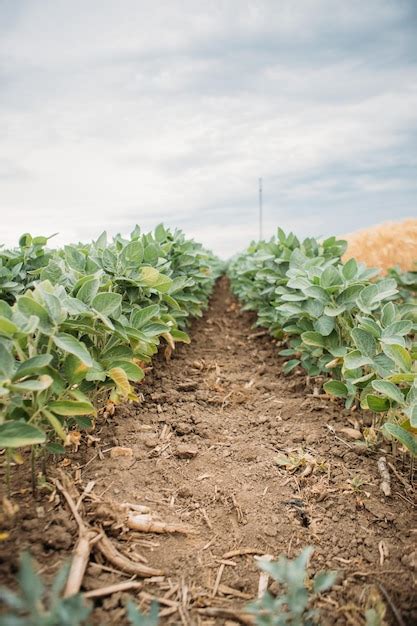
204 446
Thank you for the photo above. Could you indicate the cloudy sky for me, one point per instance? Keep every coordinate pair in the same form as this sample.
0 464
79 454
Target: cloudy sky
117 112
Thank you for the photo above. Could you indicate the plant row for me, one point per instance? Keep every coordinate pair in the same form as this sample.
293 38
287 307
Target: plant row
338 319
86 320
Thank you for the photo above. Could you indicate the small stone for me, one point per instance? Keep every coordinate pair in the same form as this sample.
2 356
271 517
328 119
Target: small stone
186 451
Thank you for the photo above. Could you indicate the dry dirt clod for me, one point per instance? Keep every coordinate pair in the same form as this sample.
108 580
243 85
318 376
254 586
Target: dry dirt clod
119 451
187 386
186 451
351 433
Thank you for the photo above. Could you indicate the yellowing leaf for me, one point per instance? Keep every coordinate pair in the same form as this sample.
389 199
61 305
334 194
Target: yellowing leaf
119 376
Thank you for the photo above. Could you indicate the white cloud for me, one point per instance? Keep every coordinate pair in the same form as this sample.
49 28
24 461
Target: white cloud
116 113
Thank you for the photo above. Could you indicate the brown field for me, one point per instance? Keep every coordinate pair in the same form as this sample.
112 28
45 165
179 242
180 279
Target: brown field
385 245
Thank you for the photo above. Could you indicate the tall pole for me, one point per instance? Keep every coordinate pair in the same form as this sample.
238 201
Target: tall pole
260 209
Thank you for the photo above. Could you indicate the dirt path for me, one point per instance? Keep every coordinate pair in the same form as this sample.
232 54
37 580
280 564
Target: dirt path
205 443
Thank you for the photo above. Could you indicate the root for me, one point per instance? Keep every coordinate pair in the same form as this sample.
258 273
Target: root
121 562
146 524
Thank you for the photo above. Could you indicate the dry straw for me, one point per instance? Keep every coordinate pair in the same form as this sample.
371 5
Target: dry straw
386 245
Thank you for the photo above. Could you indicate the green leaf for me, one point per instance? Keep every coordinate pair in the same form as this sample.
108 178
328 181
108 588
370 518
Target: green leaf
74 258
14 434
289 366
399 355
311 338
336 388
179 336
324 325
407 439
355 359
142 316
55 448
364 341
403 327
83 421
71 408
324 581
318 293
388 313
70 344
349 295
56 424
412 414
32 384
377 404
330 277
151 253
133 371
334 310
28 307
160 233
107 303
88 290
7 363
402 377
350 269
133 253
389 390
7 327
34 365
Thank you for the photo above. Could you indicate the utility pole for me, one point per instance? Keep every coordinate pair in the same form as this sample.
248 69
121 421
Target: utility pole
260 209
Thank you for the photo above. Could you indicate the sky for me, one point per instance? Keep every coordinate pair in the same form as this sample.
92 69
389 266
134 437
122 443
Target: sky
117 112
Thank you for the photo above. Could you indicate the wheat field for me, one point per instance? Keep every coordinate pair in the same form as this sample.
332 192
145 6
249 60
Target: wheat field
385 245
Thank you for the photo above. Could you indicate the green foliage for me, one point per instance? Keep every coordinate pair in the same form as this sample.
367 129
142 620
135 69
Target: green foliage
336 318
89 315
136 618
33 605
292 607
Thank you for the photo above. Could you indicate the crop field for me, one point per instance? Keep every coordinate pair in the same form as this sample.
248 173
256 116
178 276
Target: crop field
188 441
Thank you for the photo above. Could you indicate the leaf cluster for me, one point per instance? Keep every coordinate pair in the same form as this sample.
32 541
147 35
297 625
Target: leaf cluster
91 315
338 318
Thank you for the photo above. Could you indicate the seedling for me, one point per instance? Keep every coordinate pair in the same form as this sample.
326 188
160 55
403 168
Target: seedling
293 605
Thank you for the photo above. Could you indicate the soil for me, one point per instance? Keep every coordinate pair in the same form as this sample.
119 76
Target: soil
203 450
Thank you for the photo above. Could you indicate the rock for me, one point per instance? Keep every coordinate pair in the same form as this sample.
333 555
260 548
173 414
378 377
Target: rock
186 451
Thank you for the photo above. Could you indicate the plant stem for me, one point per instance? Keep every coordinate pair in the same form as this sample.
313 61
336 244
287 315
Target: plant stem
33 470
8 472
